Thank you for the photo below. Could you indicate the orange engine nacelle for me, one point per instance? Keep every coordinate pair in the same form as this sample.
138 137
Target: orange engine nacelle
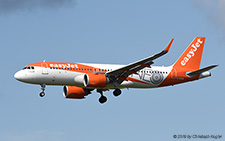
73 92
95 80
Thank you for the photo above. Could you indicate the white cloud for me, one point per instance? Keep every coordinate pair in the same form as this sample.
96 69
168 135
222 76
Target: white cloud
11 6
214 10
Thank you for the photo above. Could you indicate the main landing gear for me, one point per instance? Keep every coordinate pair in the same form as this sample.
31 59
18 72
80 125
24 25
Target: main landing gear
117 92
103 98
42 94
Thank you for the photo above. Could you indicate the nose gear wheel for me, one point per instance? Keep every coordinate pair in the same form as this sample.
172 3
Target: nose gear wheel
42 94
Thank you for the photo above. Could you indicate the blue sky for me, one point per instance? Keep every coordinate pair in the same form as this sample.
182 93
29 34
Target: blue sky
111 32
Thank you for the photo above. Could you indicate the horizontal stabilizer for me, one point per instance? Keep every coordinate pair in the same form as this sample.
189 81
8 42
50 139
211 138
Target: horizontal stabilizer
197 72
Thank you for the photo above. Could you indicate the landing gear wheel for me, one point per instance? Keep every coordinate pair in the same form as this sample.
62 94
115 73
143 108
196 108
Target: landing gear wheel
102 99
117 92
42 94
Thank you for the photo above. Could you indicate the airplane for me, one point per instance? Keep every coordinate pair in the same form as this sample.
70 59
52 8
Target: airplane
80 79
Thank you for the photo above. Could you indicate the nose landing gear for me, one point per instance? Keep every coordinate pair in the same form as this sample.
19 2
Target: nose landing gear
42 94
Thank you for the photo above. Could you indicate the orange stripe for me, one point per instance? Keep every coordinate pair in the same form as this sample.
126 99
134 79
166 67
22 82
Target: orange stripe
146 65
133 72
123 78
180 78
136 80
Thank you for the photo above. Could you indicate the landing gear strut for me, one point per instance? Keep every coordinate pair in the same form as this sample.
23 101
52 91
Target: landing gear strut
42 94
117 92
102 99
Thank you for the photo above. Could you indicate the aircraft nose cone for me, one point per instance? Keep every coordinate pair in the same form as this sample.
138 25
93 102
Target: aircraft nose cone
18 76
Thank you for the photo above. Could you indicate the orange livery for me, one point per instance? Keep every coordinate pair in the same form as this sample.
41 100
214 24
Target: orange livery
80 79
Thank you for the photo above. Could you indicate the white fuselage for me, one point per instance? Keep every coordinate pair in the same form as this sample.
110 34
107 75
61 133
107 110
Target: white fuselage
49 76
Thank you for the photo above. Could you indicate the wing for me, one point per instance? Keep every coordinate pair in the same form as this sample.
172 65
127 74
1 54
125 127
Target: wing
119 75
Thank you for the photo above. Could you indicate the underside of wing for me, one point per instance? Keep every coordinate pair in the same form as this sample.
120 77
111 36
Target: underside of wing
119 75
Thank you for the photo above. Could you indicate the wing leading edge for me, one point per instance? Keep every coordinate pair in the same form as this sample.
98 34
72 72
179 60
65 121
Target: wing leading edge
119 75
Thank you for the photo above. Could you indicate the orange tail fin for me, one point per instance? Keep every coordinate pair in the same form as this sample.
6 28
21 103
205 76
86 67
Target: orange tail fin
191 58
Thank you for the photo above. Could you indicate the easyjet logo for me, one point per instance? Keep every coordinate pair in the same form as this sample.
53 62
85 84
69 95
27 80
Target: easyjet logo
64 65
191 53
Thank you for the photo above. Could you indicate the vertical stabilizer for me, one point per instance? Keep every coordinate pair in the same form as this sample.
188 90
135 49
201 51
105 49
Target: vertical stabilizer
191 58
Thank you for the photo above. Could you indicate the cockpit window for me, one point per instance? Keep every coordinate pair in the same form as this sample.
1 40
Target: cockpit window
29 67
